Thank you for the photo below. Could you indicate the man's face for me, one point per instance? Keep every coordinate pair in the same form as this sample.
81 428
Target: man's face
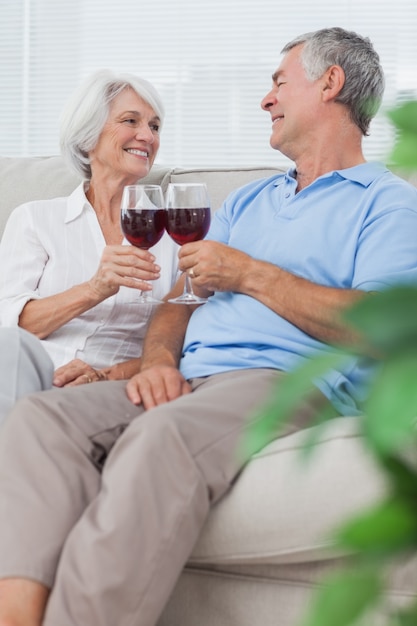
293 104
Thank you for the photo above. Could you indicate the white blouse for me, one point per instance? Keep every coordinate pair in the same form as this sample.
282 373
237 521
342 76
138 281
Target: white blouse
49 246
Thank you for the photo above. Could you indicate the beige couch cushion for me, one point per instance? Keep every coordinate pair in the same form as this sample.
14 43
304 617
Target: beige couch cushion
32 178
282 510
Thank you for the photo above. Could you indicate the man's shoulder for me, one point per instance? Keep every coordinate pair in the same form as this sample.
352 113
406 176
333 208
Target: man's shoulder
396 184
381 182
257 185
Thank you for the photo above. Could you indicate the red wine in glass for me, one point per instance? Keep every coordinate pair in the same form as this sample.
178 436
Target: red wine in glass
187 219
186 225
142 220
143 228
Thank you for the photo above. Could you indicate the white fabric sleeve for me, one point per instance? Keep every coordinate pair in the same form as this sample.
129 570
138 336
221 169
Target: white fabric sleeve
22 262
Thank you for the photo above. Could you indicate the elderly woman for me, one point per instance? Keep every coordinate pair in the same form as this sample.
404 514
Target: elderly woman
68 276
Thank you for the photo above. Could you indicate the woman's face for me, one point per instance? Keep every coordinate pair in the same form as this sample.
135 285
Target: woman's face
129 141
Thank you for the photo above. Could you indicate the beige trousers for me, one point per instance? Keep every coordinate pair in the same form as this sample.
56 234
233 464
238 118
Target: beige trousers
103 502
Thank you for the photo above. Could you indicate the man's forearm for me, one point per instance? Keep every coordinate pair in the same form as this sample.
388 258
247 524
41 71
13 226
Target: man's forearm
165 336
316 309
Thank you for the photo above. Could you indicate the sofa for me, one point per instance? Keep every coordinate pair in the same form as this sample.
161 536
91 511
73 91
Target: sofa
267 544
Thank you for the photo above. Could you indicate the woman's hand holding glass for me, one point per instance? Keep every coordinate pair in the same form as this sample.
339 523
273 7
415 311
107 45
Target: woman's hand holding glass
142 221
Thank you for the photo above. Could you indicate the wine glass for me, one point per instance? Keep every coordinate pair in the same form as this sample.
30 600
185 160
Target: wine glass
187 209
142 221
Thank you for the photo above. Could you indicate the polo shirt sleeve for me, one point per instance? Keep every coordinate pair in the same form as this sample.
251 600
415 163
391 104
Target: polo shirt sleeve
220 226
387 246
222 220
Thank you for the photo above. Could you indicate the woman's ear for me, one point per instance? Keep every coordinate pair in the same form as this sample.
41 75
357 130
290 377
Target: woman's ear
333 81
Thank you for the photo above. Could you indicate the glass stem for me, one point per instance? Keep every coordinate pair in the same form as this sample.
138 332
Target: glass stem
188 286
145 295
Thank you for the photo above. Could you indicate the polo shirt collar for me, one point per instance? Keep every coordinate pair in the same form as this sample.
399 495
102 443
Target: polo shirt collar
364 174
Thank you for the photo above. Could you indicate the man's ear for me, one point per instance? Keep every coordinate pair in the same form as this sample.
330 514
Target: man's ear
333 81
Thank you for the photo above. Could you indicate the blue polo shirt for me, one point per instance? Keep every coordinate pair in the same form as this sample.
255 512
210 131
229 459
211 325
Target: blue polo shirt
352 229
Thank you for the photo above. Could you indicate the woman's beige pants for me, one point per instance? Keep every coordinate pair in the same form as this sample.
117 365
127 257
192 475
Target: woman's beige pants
25 367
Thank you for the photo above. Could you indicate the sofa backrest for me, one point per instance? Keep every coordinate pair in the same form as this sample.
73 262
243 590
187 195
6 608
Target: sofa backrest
220 182
38 178
35 178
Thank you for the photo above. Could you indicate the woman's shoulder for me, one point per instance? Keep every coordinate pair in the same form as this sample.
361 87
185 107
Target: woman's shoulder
44 204
51 209
36 216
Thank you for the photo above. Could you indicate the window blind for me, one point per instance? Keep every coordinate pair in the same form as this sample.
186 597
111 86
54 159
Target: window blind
211 60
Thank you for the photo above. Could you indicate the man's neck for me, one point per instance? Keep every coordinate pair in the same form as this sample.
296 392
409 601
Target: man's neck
329 147
307 172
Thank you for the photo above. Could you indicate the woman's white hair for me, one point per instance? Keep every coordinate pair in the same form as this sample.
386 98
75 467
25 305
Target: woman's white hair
87 110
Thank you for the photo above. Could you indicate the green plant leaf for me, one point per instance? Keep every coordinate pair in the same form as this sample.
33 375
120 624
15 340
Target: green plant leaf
404 152
344 598
403 477
384 530
390 410
387 319
313 435
290 391
405 617
404 116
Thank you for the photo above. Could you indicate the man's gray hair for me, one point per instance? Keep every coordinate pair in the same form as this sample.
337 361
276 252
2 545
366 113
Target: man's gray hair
364 78
87 110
